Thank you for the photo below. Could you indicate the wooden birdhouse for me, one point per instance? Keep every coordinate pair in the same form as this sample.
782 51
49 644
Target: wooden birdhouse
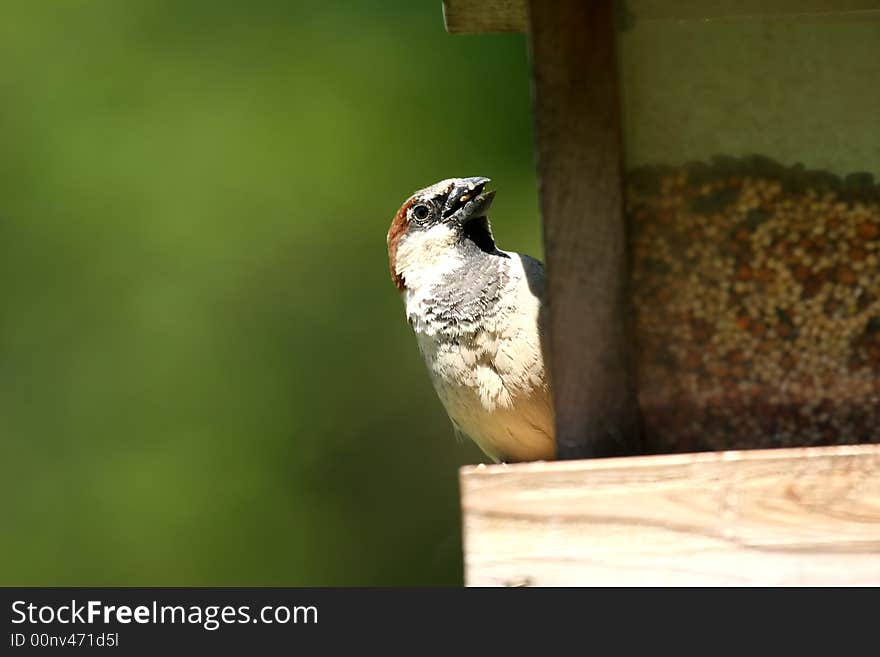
712 243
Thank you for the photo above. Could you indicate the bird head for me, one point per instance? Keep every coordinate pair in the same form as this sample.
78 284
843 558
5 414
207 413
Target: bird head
436 227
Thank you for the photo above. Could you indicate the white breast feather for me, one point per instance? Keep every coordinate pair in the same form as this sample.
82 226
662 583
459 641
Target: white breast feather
491 378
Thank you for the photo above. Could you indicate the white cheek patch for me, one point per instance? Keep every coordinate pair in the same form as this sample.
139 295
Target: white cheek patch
424 256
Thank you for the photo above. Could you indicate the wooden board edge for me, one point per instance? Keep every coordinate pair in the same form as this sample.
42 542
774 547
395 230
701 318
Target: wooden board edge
494 16
665 460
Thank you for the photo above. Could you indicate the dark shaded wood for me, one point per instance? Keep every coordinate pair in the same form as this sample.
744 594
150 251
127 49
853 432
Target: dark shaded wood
481 16
577 127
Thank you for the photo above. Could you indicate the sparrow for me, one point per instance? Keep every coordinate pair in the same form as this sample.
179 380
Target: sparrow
478 316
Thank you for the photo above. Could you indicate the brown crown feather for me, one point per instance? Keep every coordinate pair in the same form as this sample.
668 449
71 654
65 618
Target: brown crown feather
395 232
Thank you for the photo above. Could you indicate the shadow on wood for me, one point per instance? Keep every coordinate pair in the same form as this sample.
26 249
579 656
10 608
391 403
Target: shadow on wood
577 128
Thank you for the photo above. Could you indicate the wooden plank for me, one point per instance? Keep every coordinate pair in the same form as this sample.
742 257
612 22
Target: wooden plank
805 516
690 10
472 17
577 127
481 16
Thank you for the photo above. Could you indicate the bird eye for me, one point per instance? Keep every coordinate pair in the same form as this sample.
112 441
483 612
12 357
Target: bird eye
421 212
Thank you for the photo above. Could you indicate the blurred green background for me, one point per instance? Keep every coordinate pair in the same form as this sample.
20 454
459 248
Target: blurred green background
206 377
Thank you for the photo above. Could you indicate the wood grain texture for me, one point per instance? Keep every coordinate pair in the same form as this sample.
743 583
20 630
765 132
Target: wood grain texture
577 127
471 17
805 516
482 16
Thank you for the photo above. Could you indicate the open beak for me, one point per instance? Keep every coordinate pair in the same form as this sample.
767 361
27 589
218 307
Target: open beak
467 200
